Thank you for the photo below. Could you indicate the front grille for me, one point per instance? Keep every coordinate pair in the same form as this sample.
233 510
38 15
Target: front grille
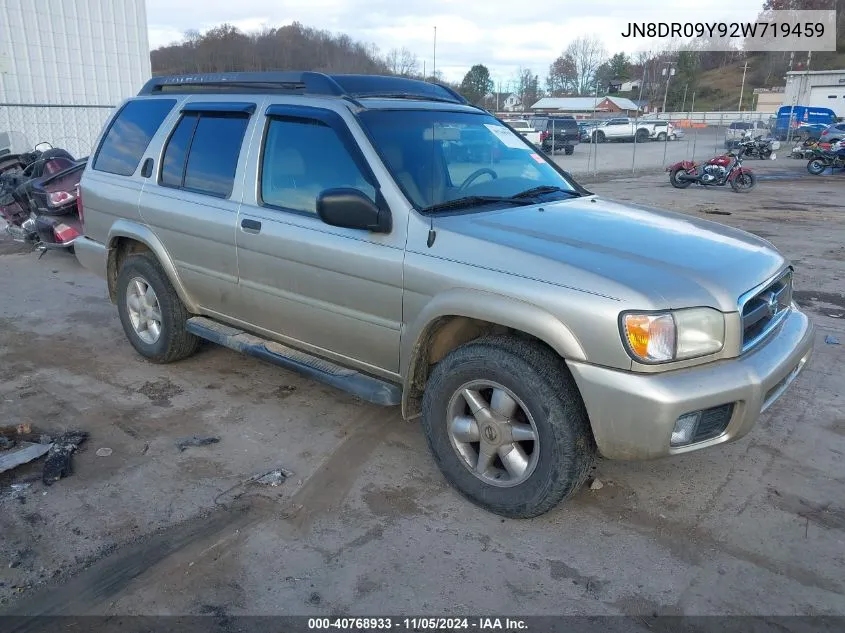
713 422
762 311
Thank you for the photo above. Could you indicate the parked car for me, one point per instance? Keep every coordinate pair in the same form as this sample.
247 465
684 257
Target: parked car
832 133
622 129
739 130
556 133
525 130
316 222
664 130
809 132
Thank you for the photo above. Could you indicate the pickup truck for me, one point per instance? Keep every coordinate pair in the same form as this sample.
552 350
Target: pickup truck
526 131
623 129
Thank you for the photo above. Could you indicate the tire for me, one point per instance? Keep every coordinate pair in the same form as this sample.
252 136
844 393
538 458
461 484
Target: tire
749 180
764 155
673 137
173 342
661 137
678 184
569 150
599 137
560 458
816 167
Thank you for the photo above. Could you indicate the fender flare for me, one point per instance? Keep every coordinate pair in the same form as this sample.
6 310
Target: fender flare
484 306
143 234
741 170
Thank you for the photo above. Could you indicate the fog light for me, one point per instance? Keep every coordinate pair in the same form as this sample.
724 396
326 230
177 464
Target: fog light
685 428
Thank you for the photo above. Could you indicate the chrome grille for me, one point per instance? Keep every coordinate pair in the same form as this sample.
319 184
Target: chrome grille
762 310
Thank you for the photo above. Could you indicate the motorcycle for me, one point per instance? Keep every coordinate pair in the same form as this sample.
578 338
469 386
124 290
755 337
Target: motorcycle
718 171
804 151
824 158
759 147
39 201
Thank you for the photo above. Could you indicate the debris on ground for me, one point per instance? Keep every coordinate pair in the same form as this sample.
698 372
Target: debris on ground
20 487
196 440
831 340
596 484
59 460
717 212
104 452
274 477
23 454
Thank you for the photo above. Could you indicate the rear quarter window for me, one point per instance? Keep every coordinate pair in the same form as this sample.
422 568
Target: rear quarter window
129 135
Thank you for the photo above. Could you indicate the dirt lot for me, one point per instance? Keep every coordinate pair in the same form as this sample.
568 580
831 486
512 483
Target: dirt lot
366 523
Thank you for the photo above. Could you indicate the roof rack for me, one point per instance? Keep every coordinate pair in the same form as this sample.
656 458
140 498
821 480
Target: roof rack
313 83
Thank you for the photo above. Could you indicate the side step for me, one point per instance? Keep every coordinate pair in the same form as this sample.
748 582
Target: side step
365 387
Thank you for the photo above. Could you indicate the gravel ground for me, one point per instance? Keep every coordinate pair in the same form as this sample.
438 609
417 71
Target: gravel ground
365 523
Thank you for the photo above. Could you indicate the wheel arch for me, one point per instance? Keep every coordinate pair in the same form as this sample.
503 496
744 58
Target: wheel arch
126 238
458 316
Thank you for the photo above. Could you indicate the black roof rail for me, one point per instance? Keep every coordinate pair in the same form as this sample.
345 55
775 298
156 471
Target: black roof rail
307 82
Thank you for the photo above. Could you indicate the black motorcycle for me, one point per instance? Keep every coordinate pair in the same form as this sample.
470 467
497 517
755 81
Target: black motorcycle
759 147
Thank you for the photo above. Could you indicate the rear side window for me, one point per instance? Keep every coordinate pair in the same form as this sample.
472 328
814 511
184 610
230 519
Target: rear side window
202 153
129 135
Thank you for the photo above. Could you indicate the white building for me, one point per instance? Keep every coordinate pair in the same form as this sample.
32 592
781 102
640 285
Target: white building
64 65
816 88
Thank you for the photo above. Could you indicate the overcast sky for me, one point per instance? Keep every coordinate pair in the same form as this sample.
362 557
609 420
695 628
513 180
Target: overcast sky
501 35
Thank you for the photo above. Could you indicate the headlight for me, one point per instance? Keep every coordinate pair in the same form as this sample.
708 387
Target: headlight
674 335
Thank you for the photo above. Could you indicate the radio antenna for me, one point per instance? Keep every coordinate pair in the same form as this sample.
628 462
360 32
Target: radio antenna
432 235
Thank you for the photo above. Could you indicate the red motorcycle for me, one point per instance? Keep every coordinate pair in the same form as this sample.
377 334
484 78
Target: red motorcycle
718 171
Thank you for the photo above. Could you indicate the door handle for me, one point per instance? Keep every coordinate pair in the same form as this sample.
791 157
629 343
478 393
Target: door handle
251 226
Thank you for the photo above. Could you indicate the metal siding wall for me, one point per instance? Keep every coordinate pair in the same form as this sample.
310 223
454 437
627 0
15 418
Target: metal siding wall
69 52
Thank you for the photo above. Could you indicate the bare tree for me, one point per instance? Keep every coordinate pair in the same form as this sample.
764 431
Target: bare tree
588 53
527 87
402 62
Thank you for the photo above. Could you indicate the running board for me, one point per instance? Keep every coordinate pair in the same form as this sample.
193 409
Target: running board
358 384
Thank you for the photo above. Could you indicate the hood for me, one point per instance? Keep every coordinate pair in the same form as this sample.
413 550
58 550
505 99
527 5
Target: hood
624 251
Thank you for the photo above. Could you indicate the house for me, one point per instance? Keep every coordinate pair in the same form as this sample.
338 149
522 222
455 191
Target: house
578 106
583 107
618 105
503 102
624 85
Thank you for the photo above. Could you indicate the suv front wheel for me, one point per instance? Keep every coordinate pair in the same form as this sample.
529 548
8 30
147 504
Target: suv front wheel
507 426
151 313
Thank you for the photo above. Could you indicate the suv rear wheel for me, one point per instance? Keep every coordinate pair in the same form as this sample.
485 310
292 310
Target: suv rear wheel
151 313
507 426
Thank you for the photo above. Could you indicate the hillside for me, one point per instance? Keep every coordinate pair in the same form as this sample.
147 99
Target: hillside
293 47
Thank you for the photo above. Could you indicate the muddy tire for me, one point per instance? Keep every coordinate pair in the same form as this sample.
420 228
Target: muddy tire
152 315
507 426
816 167
678 184
744 182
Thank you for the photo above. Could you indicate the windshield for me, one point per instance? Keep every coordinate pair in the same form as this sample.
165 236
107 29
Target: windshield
438 157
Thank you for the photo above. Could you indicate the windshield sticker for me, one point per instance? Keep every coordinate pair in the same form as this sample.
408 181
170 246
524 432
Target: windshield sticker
537 158
506 136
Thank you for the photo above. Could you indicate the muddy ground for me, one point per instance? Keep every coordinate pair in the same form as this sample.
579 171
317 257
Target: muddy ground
366 524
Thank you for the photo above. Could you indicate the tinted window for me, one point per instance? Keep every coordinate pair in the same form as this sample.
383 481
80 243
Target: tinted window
173 166
213 158
303 158
130 134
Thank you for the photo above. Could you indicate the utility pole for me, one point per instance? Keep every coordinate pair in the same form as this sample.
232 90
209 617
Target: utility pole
742 89
434 61
684 104
669 73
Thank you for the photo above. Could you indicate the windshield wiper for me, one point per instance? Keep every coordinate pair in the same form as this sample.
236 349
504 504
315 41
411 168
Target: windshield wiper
473 201
536 191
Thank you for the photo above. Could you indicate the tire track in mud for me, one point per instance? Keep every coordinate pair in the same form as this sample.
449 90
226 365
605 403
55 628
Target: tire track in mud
189 543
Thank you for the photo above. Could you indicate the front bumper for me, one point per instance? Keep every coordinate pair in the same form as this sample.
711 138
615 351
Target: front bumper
633 414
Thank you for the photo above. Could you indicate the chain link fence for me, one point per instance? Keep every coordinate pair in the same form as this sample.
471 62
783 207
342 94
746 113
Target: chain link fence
71 127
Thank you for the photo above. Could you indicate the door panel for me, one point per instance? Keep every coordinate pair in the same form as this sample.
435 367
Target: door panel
335 291
192 201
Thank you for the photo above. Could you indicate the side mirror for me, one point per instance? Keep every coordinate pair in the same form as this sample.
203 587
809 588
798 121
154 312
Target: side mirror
43 146
351 209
